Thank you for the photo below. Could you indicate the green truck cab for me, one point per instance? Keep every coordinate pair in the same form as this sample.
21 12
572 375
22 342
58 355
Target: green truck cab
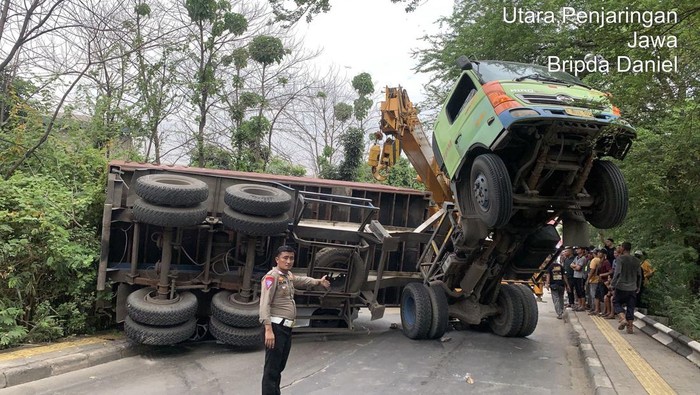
522 145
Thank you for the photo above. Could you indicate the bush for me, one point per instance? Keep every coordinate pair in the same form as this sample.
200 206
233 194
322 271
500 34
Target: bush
48 250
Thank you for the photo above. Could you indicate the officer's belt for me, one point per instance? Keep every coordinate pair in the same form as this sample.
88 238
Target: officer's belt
282 321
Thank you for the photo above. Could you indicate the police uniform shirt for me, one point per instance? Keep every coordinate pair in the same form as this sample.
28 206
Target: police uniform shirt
277 294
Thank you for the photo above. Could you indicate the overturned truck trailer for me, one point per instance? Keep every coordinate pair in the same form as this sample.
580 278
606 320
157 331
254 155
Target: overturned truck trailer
183 250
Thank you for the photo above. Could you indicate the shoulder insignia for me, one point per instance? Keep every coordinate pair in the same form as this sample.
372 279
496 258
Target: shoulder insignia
268 281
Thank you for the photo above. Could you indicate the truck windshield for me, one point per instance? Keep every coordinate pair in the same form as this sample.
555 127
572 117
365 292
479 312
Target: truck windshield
490 70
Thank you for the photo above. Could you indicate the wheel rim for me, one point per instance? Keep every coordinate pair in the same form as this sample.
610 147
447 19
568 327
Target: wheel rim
152 297
481 192
410 311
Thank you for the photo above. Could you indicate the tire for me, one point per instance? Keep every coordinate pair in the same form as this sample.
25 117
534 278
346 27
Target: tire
530 310
167 217
440 314
171 189
144 310
159 335
257 199
340 258
252 225
416 311
234 313
492 193
240 337
509 322
607 186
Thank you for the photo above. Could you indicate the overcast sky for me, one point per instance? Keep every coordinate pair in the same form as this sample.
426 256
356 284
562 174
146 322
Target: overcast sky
375 36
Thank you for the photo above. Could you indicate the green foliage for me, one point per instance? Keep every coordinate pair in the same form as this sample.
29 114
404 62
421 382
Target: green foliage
362 107
283 167
49 212
48 246
216 157
142 9
342 112
235 23
402 174
311 8
249 153
11 331
240 58
202 10
353 148
266 50
362 83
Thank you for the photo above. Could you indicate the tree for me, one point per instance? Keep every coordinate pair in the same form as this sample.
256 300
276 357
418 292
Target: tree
61 37
214 27
311 8
265 50
156 61
354 138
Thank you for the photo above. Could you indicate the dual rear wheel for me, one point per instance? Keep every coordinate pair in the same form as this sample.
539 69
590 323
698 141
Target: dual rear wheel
424 311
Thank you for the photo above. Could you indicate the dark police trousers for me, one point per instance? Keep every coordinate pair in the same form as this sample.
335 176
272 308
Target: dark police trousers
276 359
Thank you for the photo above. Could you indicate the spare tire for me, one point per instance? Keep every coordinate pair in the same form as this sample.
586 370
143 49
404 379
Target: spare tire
145 310
159 335
230 311
258 199
168 216
171 189
252 225
348 261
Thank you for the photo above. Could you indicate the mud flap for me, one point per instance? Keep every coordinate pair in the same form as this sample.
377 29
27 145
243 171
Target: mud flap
575 230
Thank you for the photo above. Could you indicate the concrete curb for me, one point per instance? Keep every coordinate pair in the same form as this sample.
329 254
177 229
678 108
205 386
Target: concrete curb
681 344
600 381
24 370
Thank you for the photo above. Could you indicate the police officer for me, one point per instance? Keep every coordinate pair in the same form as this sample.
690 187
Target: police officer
277 313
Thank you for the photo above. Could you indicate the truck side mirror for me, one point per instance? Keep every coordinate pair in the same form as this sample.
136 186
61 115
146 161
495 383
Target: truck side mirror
464 63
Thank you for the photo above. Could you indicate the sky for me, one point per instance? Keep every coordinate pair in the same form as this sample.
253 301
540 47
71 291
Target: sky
375 36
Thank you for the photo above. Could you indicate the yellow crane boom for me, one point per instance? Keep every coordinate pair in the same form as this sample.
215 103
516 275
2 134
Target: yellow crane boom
403 131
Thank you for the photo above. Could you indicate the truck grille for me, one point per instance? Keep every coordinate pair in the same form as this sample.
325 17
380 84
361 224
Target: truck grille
561 100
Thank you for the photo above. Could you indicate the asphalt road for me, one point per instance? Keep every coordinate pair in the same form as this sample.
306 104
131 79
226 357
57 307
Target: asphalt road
374 360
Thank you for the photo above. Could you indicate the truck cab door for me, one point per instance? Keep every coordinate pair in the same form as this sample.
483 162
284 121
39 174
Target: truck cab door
452 131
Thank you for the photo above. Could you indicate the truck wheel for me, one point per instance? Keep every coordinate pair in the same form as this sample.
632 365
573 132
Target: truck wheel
510 319
144 309
165 216
347 260
240 337
230 311
159 335
492 193
530 310
257 199
607 186
253 225
171 189
416 311
440 316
